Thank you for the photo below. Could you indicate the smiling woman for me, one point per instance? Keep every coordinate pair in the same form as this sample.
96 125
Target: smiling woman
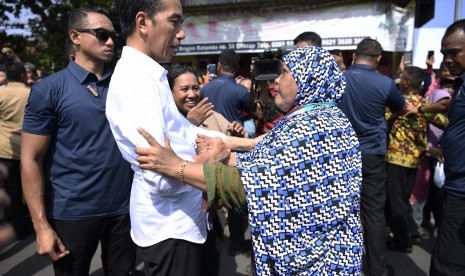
185 87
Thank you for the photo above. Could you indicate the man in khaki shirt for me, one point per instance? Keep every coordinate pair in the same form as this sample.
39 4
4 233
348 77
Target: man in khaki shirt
13 99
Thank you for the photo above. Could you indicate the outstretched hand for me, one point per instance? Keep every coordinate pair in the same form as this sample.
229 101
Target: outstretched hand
411 109
236 129
430 61
161 159
199 113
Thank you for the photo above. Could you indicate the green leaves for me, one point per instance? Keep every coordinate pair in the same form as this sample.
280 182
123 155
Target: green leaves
46 45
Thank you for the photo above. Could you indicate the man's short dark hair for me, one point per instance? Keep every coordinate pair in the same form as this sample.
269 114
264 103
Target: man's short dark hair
456 26
369 47
229 60
78 16
15 71
416 75
128 10
310 37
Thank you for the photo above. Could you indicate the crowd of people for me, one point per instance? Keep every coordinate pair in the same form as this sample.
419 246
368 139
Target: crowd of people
325 161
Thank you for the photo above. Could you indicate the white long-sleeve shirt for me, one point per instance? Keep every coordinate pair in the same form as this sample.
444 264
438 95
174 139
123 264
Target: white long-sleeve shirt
160 207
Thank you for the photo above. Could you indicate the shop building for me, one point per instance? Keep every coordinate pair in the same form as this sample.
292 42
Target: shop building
252 27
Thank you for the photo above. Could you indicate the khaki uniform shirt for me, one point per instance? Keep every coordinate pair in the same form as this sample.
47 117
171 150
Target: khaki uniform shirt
13 99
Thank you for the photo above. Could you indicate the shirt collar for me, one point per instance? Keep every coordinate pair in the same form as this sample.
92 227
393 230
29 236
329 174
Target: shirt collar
229 77
362 66
81 74
146 63
15 84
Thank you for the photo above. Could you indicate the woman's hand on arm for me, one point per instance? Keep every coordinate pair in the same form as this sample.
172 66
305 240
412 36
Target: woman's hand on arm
199 113
211 150
163 160
158 158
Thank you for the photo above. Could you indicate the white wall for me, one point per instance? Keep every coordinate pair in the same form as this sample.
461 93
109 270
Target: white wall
429 36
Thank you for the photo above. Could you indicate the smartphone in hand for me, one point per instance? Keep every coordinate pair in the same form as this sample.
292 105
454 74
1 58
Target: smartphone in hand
211 70
430 54
408 58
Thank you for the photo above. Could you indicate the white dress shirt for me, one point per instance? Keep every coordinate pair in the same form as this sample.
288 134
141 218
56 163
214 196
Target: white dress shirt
160 207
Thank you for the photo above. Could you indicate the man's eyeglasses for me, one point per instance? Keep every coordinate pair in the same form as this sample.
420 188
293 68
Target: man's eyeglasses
100 33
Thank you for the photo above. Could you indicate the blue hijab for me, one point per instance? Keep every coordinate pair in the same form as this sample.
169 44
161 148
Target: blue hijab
303 179
317 75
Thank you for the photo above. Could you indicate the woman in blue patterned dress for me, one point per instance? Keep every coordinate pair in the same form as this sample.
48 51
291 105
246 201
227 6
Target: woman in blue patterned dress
301 183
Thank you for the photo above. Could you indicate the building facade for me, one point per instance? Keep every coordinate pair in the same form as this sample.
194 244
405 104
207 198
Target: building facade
251 27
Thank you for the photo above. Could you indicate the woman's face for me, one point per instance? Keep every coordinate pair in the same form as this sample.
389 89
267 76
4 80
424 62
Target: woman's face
286 90
186 92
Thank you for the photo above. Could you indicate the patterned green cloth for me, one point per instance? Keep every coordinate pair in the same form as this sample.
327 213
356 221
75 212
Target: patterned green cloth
224 186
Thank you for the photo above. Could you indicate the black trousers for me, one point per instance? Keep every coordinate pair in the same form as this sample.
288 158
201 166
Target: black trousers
17 213
82 237
173 257
212 247
373 199
448 256
237 226
399 186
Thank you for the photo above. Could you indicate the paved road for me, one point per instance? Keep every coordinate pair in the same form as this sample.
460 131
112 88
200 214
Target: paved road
22 260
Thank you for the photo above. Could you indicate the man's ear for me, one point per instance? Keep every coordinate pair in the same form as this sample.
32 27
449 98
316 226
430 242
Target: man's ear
141 22
378 59
74 37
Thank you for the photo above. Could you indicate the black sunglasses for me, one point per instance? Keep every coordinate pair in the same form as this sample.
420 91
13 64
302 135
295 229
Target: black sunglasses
100 33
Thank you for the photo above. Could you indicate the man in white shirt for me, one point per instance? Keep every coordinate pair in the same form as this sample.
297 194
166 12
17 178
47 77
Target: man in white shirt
167 220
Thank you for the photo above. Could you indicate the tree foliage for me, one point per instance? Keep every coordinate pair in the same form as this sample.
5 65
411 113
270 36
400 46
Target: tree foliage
45 46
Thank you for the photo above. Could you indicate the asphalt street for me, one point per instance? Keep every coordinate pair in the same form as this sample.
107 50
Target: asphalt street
21 259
